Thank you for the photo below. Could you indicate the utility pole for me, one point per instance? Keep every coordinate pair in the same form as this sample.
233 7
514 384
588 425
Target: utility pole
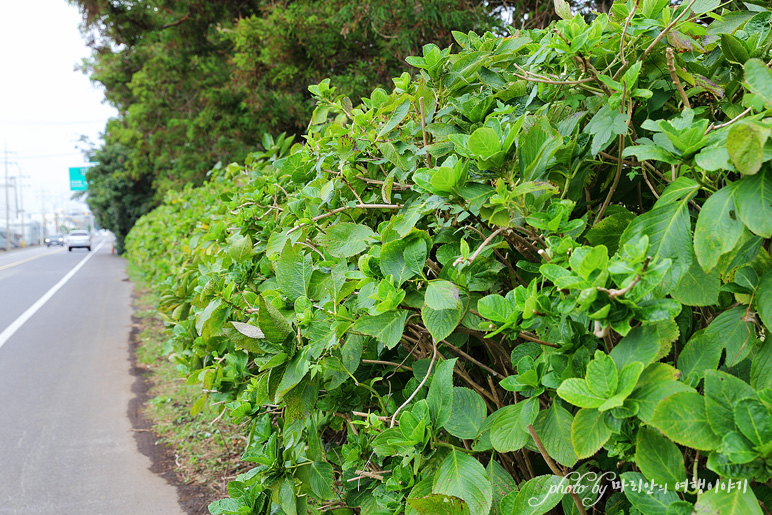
20 207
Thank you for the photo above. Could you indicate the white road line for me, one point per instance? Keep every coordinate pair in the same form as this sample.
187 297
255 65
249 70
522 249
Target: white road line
16 324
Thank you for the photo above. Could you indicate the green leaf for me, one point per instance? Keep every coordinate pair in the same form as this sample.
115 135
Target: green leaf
441 322
761 368
734 50
293 272
753 197
658 381
697 288
682 418
502 484
754 420
651 501
576 391
659 459
589 432
759 79
718 228
387 327
495 307
509 430
722 392
462 476
347 239
441 294
240 248
563 10
399 114
406 257
745 147
536 496
319 478
484 142
554 428
438 505
669 229
764 300
538 147
273 324
641 344
738 501
300 401
602 375
606 124
248 330
467 415
440 396
294 373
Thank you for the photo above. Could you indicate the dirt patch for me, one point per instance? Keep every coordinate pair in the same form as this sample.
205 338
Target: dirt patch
193 498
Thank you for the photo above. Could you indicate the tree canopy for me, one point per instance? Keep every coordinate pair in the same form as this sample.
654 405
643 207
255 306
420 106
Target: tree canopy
197 83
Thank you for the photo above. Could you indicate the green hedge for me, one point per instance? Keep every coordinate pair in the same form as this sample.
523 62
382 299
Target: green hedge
541 261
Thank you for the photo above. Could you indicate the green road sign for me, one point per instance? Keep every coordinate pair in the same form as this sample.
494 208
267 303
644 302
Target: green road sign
78 178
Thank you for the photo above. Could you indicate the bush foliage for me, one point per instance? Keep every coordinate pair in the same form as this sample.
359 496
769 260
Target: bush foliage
542 260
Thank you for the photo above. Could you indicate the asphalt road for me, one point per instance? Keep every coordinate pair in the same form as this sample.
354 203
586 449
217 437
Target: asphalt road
66 441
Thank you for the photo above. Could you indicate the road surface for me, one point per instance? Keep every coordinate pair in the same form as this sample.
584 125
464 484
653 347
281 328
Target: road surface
66 442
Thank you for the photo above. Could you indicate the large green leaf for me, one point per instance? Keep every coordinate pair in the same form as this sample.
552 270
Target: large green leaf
502 484
764 300
576 391
440 396
759 79
536 496
697 288
659 459
718 228
669 229
754 420
441 294
436 504
722 392
682 418
441 322
271 322
650 500
554 429
460 475
745 146
658 381
589 432
509 430
347 239
405 258
293 272
738 501
387 327
753 197
467 415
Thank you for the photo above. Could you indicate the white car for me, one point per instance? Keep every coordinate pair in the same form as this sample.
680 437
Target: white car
79 239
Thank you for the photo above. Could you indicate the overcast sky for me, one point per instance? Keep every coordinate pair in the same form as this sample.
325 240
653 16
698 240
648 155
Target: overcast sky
45 104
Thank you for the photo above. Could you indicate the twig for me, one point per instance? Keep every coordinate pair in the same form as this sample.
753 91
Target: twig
730 122
624 33
389 363
345 208
482 246
674 75
661 35
420 385
532 338
554 468
470 358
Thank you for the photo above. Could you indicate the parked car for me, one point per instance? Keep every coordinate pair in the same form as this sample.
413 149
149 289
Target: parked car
54 239
79 239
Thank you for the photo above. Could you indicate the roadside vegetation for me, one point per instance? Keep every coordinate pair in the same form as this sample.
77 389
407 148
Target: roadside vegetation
206 449
537 260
